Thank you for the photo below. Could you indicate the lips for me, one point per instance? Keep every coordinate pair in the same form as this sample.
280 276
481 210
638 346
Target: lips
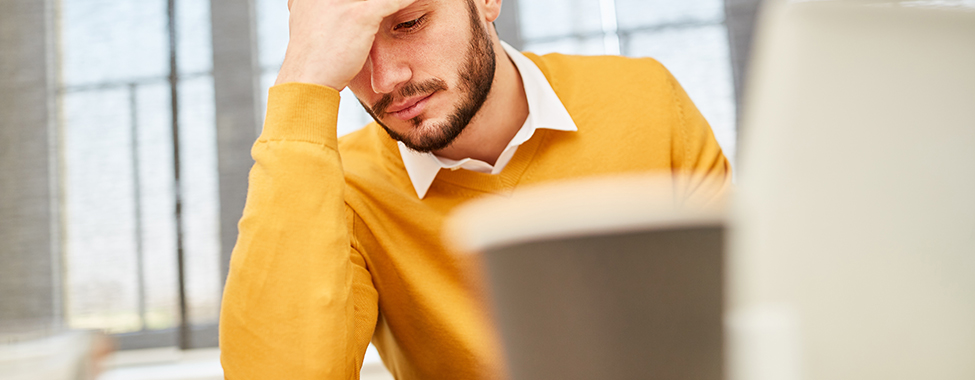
409 108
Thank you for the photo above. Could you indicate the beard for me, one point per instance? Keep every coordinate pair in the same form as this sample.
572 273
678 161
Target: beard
476 78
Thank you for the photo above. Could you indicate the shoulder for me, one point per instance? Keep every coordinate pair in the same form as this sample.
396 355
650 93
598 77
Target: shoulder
603 89
576 72
585 81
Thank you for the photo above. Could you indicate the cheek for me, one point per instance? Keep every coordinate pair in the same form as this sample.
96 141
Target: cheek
447 52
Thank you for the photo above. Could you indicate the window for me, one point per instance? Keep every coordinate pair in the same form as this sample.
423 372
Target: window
119 187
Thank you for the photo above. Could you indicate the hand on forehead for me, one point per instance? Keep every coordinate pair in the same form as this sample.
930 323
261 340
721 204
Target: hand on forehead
394 5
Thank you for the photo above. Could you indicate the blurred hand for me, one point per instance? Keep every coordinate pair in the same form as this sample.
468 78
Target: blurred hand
330 39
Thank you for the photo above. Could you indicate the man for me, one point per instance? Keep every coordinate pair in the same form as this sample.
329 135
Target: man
340 240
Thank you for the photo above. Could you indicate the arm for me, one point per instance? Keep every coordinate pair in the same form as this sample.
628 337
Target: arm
299 302
289 306
704 175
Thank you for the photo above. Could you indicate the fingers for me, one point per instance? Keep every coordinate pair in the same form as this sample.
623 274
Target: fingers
384 8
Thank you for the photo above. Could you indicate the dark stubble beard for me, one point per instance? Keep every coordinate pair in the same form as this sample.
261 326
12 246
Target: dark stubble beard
475 82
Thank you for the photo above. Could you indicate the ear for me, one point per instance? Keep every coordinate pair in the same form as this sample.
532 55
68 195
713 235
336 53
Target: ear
492 9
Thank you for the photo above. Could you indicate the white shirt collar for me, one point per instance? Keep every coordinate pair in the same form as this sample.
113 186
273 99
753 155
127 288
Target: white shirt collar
545 111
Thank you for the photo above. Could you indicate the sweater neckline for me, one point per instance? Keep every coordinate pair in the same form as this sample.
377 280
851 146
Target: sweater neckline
501 183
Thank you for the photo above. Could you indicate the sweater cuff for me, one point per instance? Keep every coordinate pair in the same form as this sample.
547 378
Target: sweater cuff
302 112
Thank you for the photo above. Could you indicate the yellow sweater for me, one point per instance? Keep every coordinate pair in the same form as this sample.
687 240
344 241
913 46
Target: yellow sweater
336 249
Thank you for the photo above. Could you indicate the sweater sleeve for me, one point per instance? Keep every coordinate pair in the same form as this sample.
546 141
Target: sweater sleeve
703 172
299 302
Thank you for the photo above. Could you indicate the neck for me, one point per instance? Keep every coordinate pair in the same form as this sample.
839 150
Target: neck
504 113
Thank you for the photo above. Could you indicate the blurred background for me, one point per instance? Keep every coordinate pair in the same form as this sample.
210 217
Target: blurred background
126 127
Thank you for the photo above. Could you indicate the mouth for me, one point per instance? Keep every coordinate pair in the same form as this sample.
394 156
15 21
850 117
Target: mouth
410 108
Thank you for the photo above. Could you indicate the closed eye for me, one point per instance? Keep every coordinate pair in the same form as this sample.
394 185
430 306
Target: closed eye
410 25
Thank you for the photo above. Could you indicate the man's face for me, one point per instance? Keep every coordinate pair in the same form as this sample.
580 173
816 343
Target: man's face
429 71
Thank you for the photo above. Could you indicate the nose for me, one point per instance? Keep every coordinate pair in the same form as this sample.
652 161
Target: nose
389 69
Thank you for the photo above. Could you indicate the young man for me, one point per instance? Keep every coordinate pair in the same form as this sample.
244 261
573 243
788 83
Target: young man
340 240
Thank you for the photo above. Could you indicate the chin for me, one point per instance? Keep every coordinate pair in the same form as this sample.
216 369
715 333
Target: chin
426 135
421 128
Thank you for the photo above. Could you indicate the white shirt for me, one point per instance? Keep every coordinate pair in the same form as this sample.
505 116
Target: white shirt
545 111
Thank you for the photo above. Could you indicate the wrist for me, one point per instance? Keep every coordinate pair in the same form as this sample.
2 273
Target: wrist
297 70
295 76
302 112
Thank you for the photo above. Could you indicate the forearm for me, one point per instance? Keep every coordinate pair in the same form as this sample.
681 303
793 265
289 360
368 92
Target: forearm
287 309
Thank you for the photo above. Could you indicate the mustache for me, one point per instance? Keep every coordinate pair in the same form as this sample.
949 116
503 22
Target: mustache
409 90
